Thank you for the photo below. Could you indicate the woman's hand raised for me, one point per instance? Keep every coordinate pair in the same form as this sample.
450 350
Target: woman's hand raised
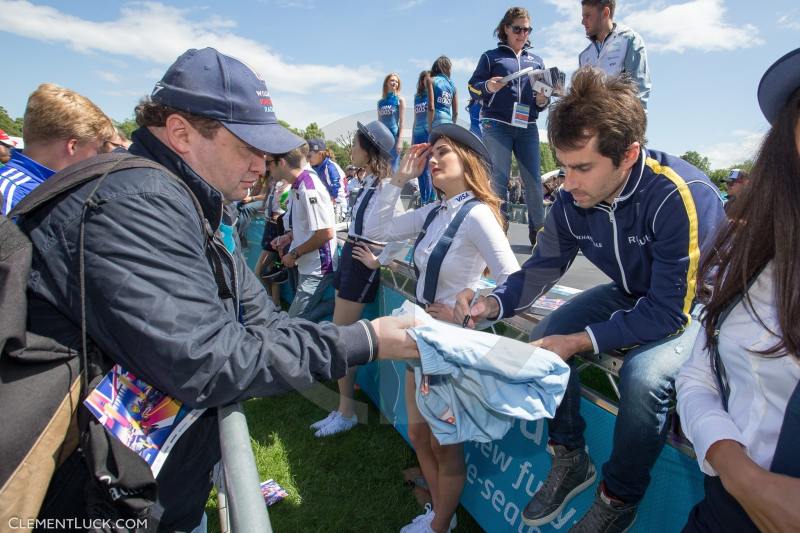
412 164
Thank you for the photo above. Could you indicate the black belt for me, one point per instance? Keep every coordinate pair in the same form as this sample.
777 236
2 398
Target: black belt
355 240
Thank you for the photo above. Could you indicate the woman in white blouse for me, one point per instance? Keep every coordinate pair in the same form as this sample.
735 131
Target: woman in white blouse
357 276
458 168
738 394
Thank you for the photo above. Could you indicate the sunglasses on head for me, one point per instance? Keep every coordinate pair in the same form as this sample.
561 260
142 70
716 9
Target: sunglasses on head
520 29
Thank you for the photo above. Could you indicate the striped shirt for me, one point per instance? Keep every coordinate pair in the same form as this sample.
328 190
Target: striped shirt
19 177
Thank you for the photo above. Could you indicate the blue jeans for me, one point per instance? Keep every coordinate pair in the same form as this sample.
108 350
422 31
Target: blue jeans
427 194
501 139
646 385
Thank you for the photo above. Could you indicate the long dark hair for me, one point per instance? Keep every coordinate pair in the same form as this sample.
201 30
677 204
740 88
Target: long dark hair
442 65
421 82
378 164
764 226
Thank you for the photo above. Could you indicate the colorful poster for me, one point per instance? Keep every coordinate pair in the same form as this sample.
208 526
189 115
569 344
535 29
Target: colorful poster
143 418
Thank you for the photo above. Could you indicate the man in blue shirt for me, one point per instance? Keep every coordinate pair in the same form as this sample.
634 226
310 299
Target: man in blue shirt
642 217
60 127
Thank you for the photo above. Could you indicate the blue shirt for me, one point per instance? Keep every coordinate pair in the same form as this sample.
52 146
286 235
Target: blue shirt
389 112
420 115
19 177
443 92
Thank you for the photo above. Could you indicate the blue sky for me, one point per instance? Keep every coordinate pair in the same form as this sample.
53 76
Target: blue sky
324 61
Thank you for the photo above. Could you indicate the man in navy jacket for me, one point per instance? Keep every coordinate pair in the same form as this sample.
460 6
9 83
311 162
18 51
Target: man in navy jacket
642 217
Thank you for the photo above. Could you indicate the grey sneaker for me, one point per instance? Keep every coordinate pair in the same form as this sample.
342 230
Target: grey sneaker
570 474
606 515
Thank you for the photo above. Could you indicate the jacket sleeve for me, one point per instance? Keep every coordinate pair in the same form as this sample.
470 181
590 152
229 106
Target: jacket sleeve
664 310
635 65
335 179
553 254
153 307
477 83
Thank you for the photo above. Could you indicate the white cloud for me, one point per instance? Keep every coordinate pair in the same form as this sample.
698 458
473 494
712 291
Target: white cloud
108 76
693 25
790 21
464 65
409 4
742 147
562 41
158 33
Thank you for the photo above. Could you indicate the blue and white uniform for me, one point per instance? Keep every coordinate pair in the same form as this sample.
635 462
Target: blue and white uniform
389 113
443 93
310 209
19 177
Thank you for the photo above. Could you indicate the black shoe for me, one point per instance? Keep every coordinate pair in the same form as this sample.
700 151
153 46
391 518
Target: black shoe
571 473
606 515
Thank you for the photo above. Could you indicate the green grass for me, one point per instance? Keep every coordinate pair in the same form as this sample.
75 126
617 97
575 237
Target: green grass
349 482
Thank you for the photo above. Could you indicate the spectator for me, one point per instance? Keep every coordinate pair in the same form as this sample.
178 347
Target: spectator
739 393
474 110
310 238
60 127
509 112
737 182
6 145
329 172
615 49
153 301
269 267
514 190
391 110
669 211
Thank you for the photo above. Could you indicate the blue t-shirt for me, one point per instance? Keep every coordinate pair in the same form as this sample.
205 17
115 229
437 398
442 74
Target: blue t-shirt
443 92
19 177
420 115
389 112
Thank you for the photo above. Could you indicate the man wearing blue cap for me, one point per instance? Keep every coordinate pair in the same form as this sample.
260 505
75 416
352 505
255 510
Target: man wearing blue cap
166 299
737 180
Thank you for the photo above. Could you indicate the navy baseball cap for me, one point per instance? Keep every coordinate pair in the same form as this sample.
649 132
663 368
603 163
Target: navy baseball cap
462 136
316 145
212 85
778 83
379 135
734 175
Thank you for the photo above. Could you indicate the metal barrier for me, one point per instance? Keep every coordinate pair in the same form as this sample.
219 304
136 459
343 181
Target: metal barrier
241 506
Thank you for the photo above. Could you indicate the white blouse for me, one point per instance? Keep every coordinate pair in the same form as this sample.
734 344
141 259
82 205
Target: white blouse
370 230
760 386
479 241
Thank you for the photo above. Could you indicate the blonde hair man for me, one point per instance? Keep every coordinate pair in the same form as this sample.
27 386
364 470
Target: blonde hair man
60 127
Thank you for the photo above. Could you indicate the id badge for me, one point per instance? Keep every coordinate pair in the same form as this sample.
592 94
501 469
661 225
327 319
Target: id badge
520 116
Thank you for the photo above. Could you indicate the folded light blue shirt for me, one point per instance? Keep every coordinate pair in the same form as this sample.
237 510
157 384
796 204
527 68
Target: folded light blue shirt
471 384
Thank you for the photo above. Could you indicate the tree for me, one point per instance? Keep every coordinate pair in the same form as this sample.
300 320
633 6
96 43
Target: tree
697 160
718 178
127 126
547 160
11 126
293 130
313 131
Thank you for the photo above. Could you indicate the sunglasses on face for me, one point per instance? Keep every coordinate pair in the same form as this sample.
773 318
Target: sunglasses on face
520 29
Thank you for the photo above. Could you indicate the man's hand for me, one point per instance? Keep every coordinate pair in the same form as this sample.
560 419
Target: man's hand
412 164
494 84
771 500
279 242
393 340
541 99
483 309
289 260
565 346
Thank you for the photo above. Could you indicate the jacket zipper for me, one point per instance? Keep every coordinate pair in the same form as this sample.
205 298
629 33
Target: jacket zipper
616 247
518 80
228 255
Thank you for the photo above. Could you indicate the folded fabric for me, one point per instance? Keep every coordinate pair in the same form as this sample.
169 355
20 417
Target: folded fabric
472 384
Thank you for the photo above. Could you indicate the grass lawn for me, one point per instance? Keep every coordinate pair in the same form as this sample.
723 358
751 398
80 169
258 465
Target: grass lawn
348 482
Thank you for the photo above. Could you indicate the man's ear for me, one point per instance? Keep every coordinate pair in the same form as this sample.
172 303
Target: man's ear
632 155
179 134
70 147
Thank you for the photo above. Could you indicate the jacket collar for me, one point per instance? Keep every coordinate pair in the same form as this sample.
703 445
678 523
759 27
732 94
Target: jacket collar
525 49
632 182
147 145
31 166
457 200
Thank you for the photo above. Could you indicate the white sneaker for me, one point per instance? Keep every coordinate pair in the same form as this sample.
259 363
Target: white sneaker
420 524
339 424
325 421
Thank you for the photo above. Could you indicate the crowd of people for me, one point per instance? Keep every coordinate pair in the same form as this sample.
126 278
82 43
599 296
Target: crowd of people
144 265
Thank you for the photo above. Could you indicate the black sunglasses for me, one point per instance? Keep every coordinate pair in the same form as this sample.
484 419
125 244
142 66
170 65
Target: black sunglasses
520 29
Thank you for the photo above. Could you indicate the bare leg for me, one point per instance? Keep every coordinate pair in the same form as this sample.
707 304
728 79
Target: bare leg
450 484
275 292
344 313
421 438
